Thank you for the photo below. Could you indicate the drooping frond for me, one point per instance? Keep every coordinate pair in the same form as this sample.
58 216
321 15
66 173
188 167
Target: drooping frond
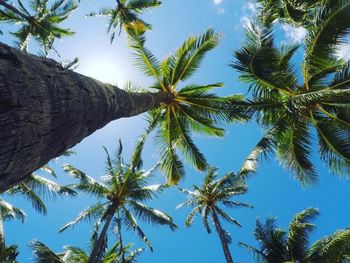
263 147
257 254
88 214
294 150
333 144
299 233
43 254
262 66
333 248
87 184
331 26
152 215
8 211
130 222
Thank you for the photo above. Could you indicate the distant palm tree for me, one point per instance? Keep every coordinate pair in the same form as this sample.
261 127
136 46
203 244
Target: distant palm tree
289 106
125 12
41 22
116 254
190 108
278 246
205 201
121 194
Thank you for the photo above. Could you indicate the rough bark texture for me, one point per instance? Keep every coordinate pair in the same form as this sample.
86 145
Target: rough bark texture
222 237
46 109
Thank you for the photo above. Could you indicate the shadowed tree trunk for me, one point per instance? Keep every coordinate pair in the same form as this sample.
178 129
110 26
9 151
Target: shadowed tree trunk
222 237
46 109
96 253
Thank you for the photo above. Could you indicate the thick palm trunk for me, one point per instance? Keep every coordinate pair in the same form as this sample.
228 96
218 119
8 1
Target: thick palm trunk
96 252
222 237
46 109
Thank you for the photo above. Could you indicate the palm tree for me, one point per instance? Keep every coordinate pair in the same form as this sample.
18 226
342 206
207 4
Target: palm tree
205 200
116 254
81 105
41 22
121 197
278 246
289 108
188 108
125 12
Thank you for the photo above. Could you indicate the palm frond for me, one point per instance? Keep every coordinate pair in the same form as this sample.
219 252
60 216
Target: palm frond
294 149
130 222
331 26
152 215
333 248
299 232
188 58
87 214
43 254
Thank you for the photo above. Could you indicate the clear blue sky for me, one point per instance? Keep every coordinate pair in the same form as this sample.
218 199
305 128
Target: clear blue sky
272 191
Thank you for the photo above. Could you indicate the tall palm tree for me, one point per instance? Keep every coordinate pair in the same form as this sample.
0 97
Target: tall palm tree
205 200
289 105
41 22
121 196
189 107
125 12
278 246
116 254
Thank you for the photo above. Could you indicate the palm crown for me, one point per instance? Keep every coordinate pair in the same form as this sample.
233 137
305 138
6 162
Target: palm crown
288 106
121 194
189 108
278 246
126 11
41 22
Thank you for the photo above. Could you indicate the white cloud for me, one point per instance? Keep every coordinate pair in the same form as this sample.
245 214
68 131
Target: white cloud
343 51
246 21
220 10
294 34
252 7
249 11
217 2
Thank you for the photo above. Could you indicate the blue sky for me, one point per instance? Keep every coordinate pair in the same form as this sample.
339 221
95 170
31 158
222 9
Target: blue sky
273 191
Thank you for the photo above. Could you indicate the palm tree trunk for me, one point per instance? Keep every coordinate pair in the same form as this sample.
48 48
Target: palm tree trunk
222 237
121 250
46 109
2 236
96 252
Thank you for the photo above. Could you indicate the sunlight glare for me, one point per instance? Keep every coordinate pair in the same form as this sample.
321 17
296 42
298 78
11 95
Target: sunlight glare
104 69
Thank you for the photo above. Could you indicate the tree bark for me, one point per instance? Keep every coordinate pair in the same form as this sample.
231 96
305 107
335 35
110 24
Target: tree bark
222 237
46 109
